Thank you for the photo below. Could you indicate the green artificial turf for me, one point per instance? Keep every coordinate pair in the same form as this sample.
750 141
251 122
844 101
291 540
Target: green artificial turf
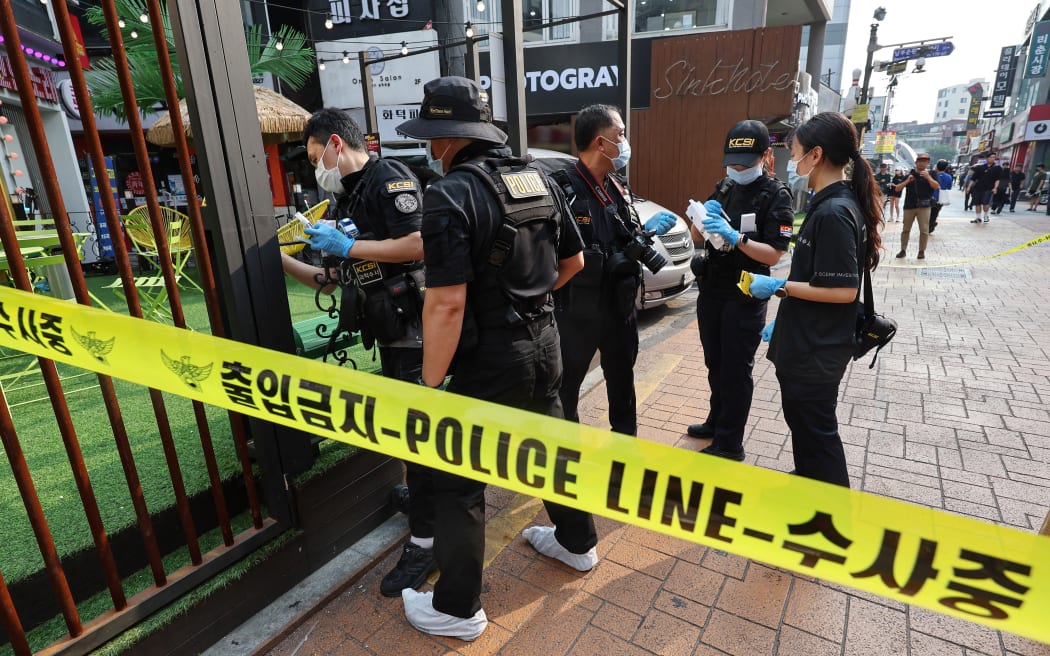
49 466
54 629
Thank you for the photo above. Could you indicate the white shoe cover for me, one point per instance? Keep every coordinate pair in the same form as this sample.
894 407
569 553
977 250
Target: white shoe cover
419 610
542 540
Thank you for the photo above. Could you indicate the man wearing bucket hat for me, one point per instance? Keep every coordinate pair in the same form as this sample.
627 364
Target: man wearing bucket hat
497 239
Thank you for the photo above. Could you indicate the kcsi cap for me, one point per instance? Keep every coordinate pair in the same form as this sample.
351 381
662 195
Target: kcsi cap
745 142
453 107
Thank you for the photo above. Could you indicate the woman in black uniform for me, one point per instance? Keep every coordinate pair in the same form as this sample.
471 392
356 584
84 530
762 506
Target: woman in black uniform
813 339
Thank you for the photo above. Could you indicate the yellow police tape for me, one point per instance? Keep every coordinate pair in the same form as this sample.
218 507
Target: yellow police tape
977 571
1021 247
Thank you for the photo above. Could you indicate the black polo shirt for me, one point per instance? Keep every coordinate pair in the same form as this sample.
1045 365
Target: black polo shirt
813 342
770 201
384 199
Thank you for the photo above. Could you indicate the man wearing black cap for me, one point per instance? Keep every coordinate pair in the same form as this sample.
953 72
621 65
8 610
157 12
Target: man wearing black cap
596 310
730 321
496 242
920 185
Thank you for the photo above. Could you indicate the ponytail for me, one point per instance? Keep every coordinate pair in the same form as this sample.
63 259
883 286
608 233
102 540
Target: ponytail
870 198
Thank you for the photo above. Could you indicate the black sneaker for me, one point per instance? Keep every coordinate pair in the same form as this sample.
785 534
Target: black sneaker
411 571
736 454
701 431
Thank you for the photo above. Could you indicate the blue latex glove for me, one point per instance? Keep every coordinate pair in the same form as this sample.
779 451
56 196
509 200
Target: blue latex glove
764 286
324 237
716 225
767 332
713 208
660 222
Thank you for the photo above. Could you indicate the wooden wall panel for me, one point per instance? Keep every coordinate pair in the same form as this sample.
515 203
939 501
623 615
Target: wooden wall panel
702 85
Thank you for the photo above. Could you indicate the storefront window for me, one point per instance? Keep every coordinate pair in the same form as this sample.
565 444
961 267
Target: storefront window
665 15
534 14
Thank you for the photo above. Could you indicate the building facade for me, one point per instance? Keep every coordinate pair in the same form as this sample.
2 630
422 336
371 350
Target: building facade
834 45
954 102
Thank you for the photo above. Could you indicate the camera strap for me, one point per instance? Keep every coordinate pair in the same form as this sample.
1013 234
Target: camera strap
605 199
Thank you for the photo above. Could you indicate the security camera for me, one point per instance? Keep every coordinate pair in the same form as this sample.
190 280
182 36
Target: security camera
880 13
919 64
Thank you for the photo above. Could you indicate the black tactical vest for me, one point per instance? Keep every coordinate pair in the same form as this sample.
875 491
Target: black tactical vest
515 281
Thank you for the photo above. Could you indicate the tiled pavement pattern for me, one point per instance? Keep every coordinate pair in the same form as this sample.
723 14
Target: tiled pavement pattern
954 416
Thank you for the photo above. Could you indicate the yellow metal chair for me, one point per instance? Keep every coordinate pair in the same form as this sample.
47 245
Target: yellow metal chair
288 234
180 242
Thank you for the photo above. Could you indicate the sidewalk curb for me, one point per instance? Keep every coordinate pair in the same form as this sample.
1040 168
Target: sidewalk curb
267 628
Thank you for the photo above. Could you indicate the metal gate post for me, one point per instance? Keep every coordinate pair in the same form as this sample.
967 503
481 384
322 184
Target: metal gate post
213 56
514 67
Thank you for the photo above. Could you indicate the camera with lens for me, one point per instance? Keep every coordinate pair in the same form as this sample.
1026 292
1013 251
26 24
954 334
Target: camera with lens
640 249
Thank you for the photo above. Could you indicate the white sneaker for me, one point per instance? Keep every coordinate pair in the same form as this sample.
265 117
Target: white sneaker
420 613
542 540
985 219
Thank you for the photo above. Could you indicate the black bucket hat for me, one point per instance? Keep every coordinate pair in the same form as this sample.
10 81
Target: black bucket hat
745 143
453 107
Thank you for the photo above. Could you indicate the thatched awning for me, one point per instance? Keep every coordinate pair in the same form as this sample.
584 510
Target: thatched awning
280 119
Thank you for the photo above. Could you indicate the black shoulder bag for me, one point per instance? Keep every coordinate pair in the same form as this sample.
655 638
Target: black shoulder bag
873 330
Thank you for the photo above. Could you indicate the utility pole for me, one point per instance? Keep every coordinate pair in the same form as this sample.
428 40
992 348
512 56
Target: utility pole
873 45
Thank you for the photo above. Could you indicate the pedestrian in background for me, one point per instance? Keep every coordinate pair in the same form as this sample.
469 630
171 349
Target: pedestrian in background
920 186
964 184
596 309
1002 193
1035 187
983 185
489 310
942 196
895 195
883 178
813 336
730 321
1017 177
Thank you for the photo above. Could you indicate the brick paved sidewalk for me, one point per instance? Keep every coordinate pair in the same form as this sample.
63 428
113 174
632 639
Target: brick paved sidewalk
954 417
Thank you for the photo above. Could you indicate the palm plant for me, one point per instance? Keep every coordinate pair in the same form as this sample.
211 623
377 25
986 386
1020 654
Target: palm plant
291 63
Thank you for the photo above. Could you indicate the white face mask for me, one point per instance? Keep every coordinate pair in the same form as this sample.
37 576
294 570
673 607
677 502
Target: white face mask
328 179
745 177
624 154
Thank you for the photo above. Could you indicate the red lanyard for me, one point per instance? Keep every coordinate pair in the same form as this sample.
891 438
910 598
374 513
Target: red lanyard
596 189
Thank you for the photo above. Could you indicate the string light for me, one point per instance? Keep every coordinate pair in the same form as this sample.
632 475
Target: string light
481 6
328 23
280 44
121 24
404 48
346 57
470 30
320 65
144 18
134 34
